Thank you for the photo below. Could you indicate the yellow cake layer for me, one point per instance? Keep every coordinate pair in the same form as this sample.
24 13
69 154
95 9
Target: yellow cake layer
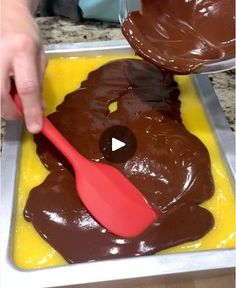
64 75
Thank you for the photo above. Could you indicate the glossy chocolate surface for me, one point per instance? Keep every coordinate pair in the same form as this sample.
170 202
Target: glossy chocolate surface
171 167
181 35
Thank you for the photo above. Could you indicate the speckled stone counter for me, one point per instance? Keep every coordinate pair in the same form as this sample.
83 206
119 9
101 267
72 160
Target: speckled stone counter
58 30
61 30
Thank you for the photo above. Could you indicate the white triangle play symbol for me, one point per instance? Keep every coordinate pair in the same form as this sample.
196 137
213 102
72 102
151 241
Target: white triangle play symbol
116 144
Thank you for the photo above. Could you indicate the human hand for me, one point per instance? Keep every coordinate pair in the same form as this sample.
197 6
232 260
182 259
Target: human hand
22 58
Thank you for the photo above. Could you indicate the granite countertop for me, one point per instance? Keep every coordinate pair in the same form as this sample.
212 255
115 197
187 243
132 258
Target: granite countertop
61 30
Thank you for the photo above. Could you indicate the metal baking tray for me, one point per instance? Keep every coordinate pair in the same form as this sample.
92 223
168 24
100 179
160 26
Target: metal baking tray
109 270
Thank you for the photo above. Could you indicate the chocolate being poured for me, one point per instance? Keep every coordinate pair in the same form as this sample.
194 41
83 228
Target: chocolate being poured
181 35
171 167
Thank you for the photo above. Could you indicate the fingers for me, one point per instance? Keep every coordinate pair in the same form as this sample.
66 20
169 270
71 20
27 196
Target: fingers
27 75
22 48
42 65
28 69
8 108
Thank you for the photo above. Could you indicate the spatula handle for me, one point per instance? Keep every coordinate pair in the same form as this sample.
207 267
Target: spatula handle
62 144
52 133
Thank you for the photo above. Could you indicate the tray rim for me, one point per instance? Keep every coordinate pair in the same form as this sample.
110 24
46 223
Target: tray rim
145 266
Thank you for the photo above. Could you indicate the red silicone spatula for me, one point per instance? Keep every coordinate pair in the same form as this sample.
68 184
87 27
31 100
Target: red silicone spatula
108 195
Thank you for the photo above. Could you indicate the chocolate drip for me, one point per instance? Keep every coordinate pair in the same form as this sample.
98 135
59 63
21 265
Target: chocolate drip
171 167
181 35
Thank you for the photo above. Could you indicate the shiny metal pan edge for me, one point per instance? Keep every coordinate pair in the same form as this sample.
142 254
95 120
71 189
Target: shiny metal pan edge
109 270
220 127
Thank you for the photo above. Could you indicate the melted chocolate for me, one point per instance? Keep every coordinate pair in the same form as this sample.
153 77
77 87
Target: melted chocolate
171 167
180 36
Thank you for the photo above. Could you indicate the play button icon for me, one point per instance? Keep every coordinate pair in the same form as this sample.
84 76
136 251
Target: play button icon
118 144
